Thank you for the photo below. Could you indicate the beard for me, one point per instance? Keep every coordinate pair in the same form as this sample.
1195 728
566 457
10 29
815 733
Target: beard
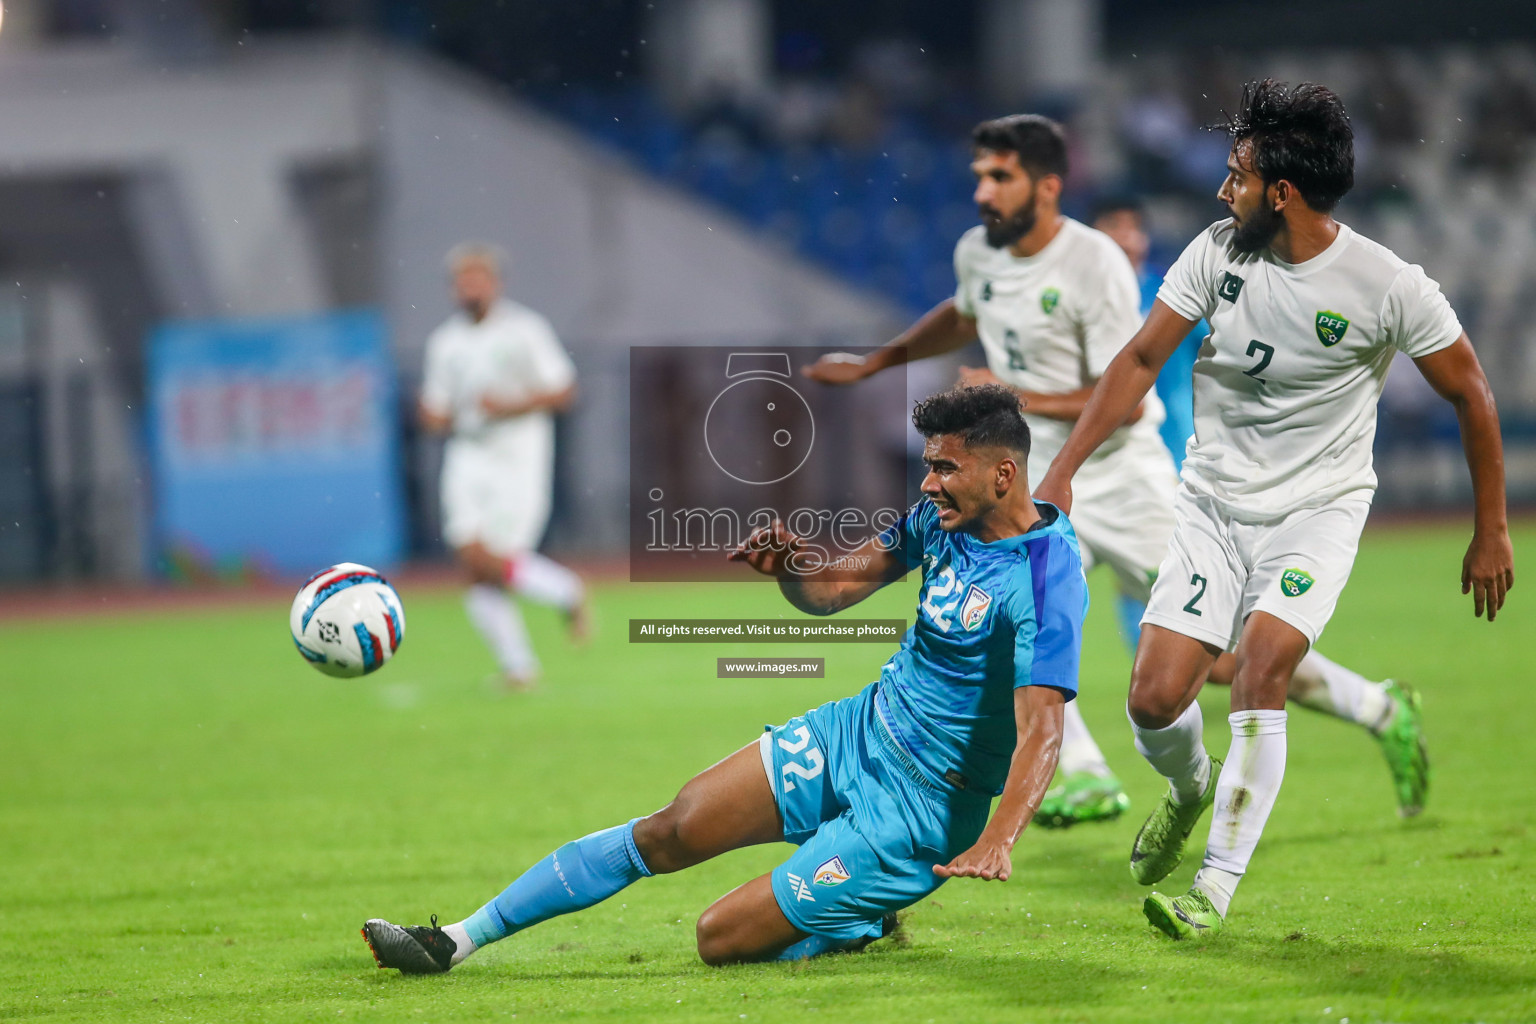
1257 231
1003 232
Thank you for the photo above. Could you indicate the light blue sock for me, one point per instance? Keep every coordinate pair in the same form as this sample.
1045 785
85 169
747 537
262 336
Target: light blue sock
574 877
1129 610
816 945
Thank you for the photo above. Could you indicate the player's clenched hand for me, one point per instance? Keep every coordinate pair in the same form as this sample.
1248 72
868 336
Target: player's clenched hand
987 859
838 368
975 376
768 549
1488 571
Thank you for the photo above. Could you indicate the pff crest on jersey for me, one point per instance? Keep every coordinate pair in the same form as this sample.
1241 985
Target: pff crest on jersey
1330 328
1048 300
1295 582
977 601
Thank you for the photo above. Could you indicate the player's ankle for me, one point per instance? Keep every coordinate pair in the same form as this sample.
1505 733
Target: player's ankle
465 946
1218 886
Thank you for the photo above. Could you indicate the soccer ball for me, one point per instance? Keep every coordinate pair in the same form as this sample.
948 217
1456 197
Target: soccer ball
347 620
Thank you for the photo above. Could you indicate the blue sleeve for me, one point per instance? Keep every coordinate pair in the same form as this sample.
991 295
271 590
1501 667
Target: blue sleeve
1048 621
907 537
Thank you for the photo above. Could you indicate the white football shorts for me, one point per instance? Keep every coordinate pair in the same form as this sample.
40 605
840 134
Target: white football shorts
1221 569
499 500
1122 513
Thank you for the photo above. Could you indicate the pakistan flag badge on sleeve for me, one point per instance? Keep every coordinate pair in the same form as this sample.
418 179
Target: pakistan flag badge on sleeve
1331 328
1295 582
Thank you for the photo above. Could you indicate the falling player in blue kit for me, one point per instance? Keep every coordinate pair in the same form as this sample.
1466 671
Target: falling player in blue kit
886 793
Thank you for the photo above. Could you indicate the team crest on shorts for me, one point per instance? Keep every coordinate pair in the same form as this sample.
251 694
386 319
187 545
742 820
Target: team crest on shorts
1048 300
1294 582
831 873
1330 328
977 601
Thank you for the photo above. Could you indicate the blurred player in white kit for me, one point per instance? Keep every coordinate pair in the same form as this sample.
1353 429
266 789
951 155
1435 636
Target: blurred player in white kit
495 374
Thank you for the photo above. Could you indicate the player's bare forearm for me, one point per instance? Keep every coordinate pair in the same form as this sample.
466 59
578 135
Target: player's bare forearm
1125 383
942 329
1488 570
1064 405
539 401
432 421
1067 406
1038 712
811 580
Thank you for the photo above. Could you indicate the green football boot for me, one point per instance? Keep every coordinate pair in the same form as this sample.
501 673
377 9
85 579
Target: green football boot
1080 797
1402 741
1159 846
1190 916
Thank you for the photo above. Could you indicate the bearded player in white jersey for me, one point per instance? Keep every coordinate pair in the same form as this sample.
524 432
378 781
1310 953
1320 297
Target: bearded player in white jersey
1306 317
495 373
1053 302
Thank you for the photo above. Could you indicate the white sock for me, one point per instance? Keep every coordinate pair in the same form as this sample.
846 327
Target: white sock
1178 754
501 624
544 580
1245 794
1218 886
1326 686
1078 751
461 939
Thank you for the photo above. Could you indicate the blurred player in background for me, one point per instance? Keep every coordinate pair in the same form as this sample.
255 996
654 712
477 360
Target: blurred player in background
495 375
1306 317
887 793
1388 710
1124 220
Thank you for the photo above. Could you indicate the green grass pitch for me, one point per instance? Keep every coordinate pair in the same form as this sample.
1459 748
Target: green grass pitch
193 824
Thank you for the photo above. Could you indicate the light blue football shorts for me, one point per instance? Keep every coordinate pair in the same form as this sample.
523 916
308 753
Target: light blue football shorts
869 826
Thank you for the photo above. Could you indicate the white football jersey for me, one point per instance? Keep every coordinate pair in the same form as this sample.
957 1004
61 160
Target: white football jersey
1051 323
510 354
1287 383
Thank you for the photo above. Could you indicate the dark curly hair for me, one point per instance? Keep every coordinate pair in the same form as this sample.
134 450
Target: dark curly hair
1300 134
1040 143
984 416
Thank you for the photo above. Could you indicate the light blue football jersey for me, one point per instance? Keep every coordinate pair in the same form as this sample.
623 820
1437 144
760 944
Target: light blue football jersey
990 617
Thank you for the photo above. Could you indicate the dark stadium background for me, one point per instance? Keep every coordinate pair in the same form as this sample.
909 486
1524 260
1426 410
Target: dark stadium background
829 148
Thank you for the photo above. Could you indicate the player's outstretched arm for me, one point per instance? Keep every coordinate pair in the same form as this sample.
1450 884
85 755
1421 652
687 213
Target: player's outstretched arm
807 580
539 401
942 329
432 420
1125 383
1488 570
1037 711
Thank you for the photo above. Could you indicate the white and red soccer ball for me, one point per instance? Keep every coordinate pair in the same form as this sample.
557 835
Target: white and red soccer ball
347 620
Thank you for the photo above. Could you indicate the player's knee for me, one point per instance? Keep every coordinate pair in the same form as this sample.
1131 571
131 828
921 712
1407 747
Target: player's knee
663 840
715 944
1151 706
482 566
